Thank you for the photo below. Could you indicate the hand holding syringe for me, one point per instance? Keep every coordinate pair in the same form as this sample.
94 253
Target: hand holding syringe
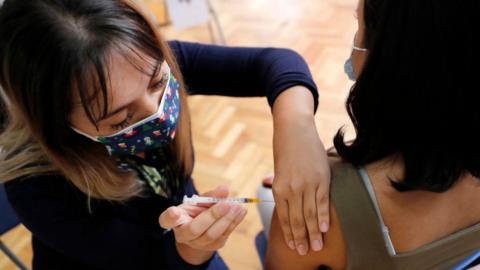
195 199
203 224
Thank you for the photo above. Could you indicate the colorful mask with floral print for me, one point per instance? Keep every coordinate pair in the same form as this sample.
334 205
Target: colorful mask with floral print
149 133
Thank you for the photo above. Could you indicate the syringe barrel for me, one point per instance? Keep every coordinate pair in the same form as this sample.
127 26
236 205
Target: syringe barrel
195 199
235 200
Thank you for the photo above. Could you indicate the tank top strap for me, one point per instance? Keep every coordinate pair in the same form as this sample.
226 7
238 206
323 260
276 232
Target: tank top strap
359 221
362 228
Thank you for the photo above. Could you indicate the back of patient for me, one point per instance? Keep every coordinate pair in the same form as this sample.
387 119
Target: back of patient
376 227
405 191
384 230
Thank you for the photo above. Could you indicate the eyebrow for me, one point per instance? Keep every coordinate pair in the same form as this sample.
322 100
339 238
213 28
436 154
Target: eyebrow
155 73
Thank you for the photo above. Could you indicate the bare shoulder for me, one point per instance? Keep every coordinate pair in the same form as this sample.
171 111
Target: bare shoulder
333 255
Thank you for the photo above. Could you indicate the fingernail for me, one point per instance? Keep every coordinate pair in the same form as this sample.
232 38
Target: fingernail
324 227
302 250
291 245
316 245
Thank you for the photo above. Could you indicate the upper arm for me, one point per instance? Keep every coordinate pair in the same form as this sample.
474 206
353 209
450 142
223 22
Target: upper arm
333 254
241 71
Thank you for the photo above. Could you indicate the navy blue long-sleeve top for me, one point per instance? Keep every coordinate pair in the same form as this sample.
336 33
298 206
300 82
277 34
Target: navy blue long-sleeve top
117 236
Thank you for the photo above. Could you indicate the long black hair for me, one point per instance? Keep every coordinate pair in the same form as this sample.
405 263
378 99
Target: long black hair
417 95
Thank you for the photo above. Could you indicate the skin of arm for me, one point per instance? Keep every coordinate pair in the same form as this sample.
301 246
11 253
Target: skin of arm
333 254
302 173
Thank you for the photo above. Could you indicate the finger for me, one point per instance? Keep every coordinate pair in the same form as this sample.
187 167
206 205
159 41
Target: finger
193 210
311 220
202 222
267 181
220 227
172 217
323 208
217 244
223 239
235 223
220 192
281 207
297 222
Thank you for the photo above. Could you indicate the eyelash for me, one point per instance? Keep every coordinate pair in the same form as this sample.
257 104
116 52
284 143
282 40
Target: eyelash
160 84
125 123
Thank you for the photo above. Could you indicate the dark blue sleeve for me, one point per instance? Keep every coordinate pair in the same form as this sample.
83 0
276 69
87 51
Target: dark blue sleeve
50 209
241 71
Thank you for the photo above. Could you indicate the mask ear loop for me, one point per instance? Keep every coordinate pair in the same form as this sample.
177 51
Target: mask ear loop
160 109
355 48
85 134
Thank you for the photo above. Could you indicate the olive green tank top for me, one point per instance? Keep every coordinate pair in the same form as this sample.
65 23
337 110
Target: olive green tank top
367 238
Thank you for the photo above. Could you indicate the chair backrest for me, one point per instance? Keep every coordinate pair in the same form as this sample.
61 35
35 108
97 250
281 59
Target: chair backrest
8 218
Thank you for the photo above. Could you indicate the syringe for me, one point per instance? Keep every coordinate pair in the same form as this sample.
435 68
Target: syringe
195 199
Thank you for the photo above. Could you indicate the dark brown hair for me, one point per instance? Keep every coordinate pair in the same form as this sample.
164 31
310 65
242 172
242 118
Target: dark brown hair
48 50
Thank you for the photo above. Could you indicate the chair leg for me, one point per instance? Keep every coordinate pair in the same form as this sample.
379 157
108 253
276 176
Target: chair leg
216 22
12 256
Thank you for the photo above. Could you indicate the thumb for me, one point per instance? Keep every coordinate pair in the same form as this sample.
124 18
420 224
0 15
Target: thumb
220 192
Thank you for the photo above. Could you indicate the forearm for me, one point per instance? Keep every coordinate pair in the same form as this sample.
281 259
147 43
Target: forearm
301 171
296 100
293 112
193 256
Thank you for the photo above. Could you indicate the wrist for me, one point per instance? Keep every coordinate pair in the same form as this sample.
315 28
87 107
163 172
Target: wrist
293 122
289 132
294 102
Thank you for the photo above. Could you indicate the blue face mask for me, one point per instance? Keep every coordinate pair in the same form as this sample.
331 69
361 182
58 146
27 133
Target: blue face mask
151 132
348 67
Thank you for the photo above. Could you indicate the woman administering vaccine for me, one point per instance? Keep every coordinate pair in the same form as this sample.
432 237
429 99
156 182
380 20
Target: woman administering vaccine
96 149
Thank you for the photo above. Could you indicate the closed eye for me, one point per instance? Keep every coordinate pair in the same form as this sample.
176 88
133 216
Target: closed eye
125 123
159 85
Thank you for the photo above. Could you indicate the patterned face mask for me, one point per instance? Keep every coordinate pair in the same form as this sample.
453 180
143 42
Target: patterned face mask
149 133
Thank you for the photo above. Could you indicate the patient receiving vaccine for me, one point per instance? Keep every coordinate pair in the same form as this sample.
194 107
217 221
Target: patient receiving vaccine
405 193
